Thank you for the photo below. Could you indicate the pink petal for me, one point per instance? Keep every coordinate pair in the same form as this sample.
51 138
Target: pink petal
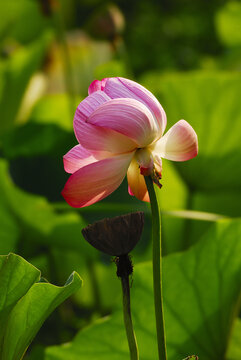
78 157
130 191
95 181
88 105
96 85
128 117
178 144
158 165
136 182
96 138
124 88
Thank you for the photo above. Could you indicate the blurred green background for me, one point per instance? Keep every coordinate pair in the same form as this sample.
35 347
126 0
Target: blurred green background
188 53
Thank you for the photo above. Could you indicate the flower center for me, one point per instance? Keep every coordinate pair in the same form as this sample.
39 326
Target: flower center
145 160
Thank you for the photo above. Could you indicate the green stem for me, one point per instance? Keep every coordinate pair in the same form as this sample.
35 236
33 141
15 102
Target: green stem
157 269
127 318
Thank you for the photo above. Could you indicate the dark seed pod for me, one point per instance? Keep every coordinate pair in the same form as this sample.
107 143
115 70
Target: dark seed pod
48 6
107 22
115 236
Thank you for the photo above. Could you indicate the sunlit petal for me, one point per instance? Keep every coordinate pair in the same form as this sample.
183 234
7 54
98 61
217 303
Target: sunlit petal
123 88
78 157
95 181
178 144
88 105
128 117
157 165
96 138
136 182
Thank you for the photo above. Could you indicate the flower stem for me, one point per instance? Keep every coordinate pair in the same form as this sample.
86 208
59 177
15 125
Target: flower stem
157 269
128 320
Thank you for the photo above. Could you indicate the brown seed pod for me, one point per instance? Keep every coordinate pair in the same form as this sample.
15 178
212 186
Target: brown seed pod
115 236
107 22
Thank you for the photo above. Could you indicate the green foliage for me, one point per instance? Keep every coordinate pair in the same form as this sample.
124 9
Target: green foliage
9 230
234 351
13 20
209 102
38 220
54 109
228 22
26 303
15 73
111 69
206 280
48 139
201 282
210 182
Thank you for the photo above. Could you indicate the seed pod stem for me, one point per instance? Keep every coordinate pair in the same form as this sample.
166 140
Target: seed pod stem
124 270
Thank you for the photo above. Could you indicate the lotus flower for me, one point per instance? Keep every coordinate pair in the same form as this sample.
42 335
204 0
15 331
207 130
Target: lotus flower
119 127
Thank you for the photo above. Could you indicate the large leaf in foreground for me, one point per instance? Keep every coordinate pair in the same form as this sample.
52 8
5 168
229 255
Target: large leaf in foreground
211 104
25 303
30 313
16 278
201 291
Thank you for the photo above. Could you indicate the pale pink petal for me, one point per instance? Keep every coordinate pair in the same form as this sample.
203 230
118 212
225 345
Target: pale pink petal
88 105
145 161
136 182
128 117
157 164
96 138
96 85
78 157
178 144
95 181
123 88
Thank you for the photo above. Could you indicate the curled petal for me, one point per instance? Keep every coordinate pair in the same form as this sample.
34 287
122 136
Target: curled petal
88 105
136 182
128 117
95 181
93 137
96 85
78 157
178 144
124 88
